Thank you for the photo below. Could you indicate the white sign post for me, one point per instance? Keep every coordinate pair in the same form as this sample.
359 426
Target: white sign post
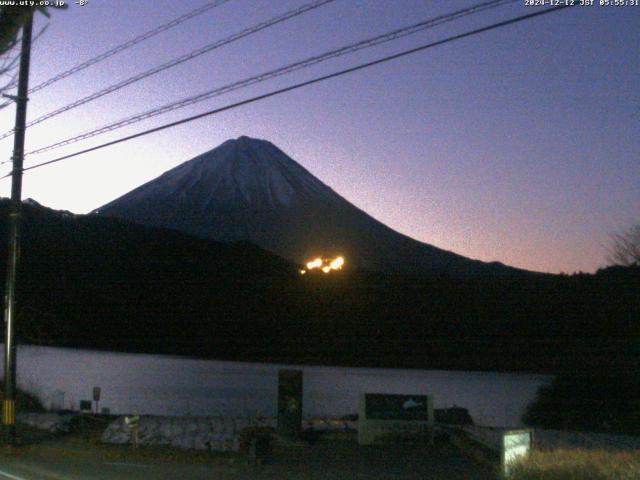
133 423
516 445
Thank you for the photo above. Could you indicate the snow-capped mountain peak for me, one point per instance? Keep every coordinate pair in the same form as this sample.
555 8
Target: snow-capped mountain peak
248 189
246 170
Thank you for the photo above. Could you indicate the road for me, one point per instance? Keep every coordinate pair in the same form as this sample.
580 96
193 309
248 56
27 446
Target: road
77 469
325 460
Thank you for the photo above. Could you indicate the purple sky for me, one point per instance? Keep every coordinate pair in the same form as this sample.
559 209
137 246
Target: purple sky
519 145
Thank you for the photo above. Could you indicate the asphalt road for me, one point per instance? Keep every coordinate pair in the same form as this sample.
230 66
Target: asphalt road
76 469
325 460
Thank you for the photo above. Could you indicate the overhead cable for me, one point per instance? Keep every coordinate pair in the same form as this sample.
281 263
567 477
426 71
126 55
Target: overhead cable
177 61
134 41
370 42
301 84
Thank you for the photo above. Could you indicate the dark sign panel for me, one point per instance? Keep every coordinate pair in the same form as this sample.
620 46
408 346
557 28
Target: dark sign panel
396 407
289 402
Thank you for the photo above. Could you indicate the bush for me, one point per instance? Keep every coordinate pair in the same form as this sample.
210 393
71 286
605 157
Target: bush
589 401
25 402
453 416
578 465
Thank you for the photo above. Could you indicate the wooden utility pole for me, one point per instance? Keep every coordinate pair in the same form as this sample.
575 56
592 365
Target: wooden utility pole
9 403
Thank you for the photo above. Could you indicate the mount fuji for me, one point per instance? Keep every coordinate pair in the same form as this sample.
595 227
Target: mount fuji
249 190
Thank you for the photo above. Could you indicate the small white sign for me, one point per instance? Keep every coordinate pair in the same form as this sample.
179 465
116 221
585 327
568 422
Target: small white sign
515 447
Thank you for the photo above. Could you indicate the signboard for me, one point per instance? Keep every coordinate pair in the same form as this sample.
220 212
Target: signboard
85 405
396 407
132 421
289 402
57 401
515 446
96 394
393 417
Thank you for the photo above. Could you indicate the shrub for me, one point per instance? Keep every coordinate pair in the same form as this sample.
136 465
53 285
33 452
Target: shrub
578 465
25 402
589 401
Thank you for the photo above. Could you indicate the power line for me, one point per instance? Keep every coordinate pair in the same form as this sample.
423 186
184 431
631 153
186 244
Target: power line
9 65
370 42
134 41
177 61
302 84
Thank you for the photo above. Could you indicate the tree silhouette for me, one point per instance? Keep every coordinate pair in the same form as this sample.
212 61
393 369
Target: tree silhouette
624 248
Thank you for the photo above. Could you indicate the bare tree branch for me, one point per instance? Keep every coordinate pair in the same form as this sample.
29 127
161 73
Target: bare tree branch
624 247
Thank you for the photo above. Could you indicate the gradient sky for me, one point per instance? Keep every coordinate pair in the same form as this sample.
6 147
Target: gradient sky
519 145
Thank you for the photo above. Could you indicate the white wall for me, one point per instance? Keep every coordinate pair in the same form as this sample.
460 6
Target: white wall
166 385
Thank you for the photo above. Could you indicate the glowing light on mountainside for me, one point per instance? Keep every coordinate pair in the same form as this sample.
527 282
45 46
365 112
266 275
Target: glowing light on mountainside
337 263
325 265
317 263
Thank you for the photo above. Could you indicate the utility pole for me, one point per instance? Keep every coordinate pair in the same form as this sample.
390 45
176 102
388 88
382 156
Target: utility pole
9 403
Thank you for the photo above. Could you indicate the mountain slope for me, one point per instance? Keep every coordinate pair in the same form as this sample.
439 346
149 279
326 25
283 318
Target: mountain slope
95 282
91 281
250 190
